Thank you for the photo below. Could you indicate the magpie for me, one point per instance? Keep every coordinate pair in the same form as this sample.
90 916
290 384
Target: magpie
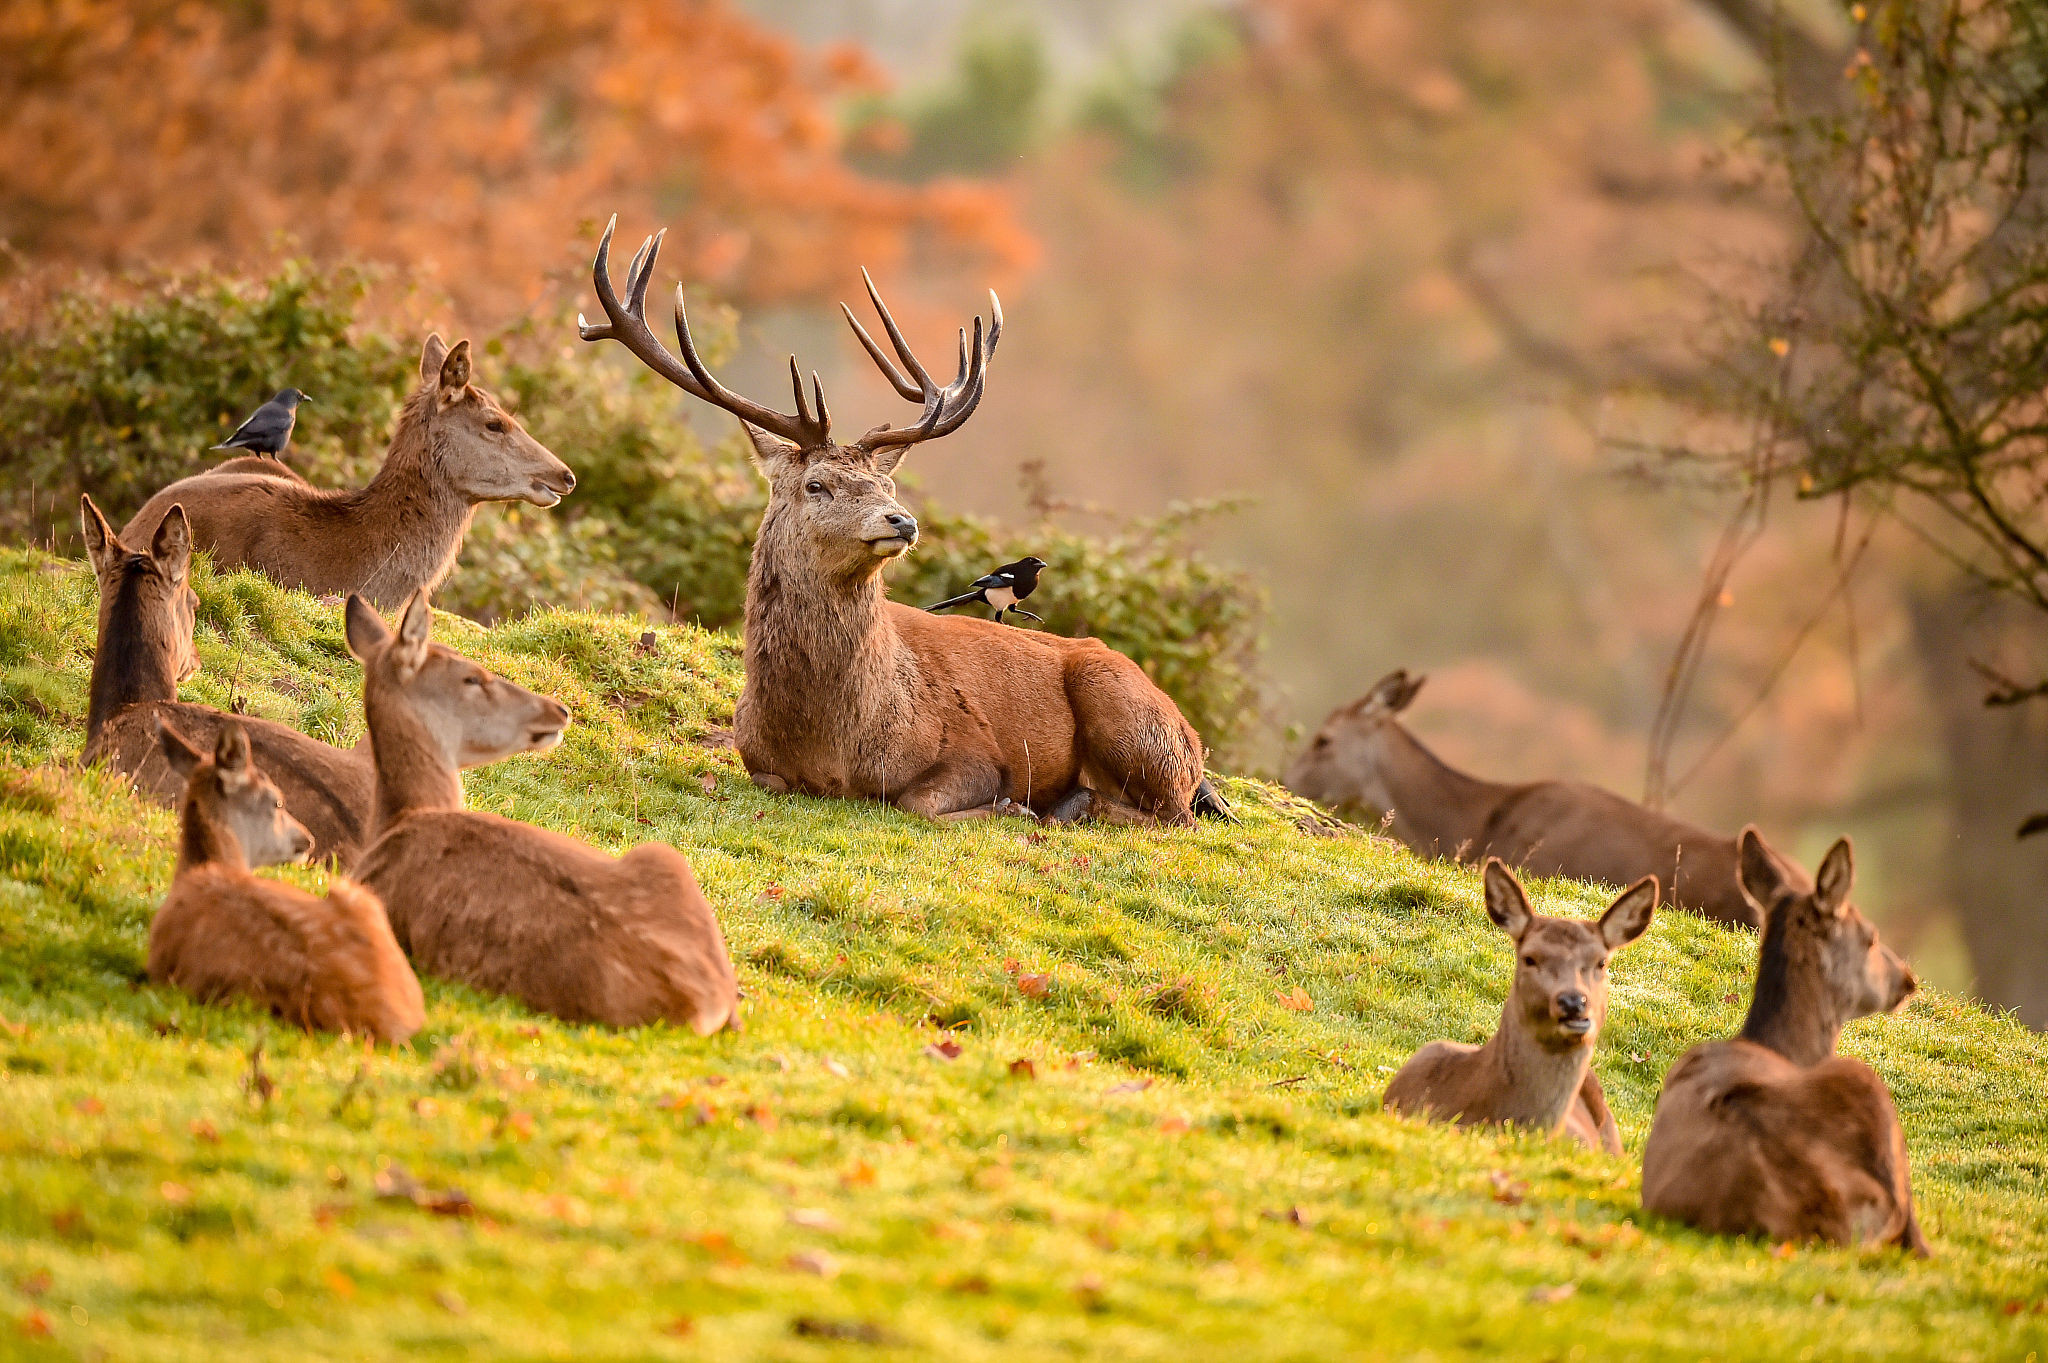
1002 589
269 429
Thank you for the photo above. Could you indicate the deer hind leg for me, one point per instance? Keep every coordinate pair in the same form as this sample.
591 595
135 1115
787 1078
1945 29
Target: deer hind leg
953 790
1137 752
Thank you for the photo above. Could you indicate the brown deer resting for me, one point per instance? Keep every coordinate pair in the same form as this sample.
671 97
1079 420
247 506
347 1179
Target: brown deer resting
327 964
454 449
1536 1070
1363 756
144 651
505 906
849 694
1772 1133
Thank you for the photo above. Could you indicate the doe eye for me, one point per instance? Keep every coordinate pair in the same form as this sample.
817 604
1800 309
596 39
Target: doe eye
1529 960
814 487
473 681
494 426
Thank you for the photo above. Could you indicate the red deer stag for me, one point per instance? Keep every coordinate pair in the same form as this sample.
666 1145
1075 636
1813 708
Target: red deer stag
327 964
849 694
145 650
1536 1070
455 448
505 906
1363 756
1772 1133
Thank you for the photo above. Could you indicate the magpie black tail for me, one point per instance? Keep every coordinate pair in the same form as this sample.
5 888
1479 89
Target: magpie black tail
1210 804
955 601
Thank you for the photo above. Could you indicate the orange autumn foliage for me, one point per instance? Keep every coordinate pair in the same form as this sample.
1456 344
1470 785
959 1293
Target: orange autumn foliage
471 144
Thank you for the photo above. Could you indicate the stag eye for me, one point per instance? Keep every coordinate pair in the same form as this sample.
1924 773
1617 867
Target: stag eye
815 488
495 426
1322 740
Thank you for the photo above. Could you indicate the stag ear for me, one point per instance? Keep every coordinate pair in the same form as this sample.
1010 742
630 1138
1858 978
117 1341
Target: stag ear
102 545
1837 872
172 547
1507 903
368 635
183 757
1757 871
415 625
432 352
771 451
1628 917
455 372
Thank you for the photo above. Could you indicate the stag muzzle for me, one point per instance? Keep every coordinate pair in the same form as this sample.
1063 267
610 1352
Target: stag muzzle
889 546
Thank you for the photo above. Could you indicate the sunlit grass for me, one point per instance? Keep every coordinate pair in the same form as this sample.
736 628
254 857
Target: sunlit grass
1182 1166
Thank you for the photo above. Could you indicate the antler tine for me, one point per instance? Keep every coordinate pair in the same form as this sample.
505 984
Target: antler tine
807 431
626 323
903 386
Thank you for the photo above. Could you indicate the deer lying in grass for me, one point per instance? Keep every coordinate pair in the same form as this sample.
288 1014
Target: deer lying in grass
1364 756
454 449
1536 1070
849 694
1772 1133
327 964
505 906
145 649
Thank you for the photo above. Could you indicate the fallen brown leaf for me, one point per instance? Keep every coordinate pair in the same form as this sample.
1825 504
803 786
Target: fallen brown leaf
1557 1293
177 1194
449 1300
815 1261
339 1283
1021 1068
1034 986
860 1174
1130 1086
682 1327
36 1324
35 1284
91 1107
1507 1189
1295 1000
205 1131
944 1049
1173 1125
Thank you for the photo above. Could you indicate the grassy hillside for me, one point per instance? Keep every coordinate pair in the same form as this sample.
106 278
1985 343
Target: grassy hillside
1001 1092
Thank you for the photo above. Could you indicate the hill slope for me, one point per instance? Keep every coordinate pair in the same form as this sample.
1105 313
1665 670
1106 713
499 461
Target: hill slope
1187 1167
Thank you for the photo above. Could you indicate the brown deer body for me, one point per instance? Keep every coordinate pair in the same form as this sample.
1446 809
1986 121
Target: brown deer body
325 964
454 449
848 694
502 905
1363 756
1536 1070
144 651
1772 1133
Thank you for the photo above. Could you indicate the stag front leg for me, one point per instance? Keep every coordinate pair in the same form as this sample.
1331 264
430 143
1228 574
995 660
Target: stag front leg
954 790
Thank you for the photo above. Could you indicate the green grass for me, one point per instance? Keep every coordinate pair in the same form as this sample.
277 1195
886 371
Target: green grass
1186 1169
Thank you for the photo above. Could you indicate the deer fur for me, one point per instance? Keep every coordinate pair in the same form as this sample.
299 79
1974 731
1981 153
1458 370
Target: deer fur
851 695
1536 1070
1772 1133
145 650
454 449
502 905
1364 757
325 964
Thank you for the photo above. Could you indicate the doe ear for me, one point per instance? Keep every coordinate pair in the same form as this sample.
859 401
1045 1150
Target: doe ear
432 352
415 626
1628 917
1393 692
455 371
1837 872
231 750
1757 872
102 545
771 451
1507 903
172 547
368 635
183 757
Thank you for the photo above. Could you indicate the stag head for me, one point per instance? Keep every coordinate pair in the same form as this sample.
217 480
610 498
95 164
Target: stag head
840 497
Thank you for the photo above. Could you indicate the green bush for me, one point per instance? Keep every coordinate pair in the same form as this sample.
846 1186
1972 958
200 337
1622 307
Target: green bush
119 388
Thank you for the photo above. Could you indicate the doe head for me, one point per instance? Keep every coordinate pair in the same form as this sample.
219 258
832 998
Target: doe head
230 791
1345 763
476 444
146 597
1860 974
466 713
1560 989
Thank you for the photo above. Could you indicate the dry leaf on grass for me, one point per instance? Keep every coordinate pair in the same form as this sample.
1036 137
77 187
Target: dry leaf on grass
1295 1000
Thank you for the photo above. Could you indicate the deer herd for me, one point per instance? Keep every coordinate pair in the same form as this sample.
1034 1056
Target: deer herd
850 695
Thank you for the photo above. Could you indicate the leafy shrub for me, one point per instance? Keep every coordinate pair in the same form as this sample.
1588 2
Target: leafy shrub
117 389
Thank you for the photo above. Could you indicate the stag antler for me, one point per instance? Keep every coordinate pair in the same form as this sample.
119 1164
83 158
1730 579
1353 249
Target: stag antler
945 409
628 326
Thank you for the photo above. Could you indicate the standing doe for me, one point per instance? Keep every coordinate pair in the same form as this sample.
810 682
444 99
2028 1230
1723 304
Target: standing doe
1364 756
454 449
502 905
1536 1070
1772 1133
852 695
147 608
327 964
